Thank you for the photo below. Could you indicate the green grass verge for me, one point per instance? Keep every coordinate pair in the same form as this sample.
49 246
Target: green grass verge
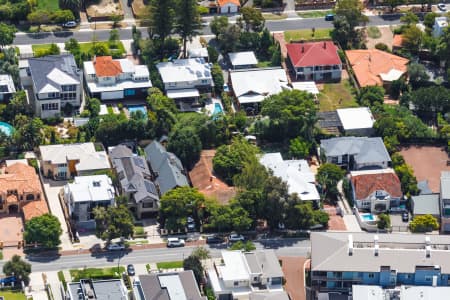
96 273
1 255
336 95
271 16
86 47
306 34
138 230
142 242
314 14
170 265
62 279
373 32
40 47
50 5
13 295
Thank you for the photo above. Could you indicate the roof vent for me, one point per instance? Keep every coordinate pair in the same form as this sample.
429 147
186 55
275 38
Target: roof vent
377 248
350 245
428 251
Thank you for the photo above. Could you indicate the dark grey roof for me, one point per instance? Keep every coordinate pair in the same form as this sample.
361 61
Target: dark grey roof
133 174
100 290
264 262
167 166
42 66
426 204
365 150
424 187
328 119
152 289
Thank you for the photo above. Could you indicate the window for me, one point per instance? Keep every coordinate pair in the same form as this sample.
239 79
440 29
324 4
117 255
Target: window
236 283
3 88
50 106
129 92
204 81
69 88
334 159
428 278
68 96
371 275
62 165
30 197
53 95
147 204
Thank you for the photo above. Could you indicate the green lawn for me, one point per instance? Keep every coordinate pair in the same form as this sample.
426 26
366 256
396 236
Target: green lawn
170 265
40 47
336 95
49 5
314 14
84 47
271 16
96 273
13 296
306 34
373 32
264 64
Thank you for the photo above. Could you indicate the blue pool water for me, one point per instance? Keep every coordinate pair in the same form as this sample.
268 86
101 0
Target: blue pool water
368 217
6 128
217 109
136 108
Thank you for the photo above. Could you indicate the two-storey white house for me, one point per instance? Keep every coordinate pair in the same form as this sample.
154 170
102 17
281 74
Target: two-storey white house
56 82
185 79
440 23
314 61
116 79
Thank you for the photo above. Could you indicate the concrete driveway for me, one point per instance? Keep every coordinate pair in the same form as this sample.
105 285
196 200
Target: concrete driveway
397 224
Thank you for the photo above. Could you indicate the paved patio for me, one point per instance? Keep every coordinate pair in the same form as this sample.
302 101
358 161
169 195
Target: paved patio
11 229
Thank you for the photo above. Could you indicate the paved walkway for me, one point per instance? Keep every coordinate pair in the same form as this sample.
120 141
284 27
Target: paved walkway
55 284
351 223
36 288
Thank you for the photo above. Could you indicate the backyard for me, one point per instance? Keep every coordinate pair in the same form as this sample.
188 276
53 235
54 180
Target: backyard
307 34
12 295
336 95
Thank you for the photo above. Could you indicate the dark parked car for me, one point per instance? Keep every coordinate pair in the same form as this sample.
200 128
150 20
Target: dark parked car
214 239
130 270
329 17
405 217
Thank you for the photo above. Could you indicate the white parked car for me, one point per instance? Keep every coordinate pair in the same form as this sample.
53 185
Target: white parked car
442 6
70 24
115 247
175 242
234 237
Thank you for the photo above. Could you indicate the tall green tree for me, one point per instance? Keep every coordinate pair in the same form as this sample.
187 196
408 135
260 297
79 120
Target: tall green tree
186 144
162 19
218 25
193 263
44 230
412 38
299 148
7 34
113 222
252 19
20 268
328 176
188 22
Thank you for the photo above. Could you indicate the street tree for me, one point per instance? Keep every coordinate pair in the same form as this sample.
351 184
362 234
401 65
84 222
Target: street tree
394 3
230 218
352 11
7 34
185 143
252 19
409 18
19 268
39 17
43 230
115 19
188 22
328 176
246 246
162 19
218 25
113 222
349 14
228 40
303 216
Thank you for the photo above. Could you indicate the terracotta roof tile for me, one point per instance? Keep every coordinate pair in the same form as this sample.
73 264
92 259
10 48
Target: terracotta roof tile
223 2
34 209
203 179
398 41
366 184
313 54
369 64
106 66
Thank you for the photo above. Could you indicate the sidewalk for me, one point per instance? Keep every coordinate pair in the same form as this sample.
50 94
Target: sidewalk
36 288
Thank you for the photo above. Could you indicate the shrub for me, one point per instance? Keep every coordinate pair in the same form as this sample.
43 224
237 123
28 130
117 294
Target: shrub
384 221
425 223
382 47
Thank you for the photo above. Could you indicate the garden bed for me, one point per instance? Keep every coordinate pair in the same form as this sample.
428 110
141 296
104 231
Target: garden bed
170 265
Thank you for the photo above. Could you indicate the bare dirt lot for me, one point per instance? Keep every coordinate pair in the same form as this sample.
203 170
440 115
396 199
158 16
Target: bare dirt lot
427 163
103 8
386 38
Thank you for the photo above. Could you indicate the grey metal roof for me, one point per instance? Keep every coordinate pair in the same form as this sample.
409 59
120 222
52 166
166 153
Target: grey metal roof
264 262
424 187
119 151
100 290
327 119
364 149
167 166
402 252
445 185
426 204
134 174
40 67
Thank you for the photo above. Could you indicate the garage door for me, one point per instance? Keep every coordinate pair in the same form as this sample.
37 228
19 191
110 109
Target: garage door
116 95
447 227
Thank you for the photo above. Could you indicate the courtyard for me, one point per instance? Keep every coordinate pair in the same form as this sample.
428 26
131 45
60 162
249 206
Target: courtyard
11 229
427 162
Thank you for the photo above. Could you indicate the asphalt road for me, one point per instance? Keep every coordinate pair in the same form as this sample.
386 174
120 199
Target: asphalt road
283 247
125 34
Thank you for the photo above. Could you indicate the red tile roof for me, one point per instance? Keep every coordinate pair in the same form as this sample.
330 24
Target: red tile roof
398 41
106 66
223 2
366 184
313 54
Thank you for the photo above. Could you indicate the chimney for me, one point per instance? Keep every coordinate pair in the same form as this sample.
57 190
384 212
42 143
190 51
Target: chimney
324 45
428 251
350 245
377 248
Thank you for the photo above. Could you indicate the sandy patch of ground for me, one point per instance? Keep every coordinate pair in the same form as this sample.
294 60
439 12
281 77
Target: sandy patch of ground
386 38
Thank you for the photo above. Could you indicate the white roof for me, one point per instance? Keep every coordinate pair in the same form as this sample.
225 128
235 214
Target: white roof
141 71
235 267
94 87
356 118
48 88
60 77
392 75
198 52
23 63
296 173
85 152
6 79
10 162
424 293
184 93
441 21
243 58
367 292
91 188
173 285
182 70
103 110
126 65
89 67
255 85
307 86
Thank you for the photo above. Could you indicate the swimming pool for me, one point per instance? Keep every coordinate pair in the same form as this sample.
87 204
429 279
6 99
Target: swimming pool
217 109
368 217
6 128
136 108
